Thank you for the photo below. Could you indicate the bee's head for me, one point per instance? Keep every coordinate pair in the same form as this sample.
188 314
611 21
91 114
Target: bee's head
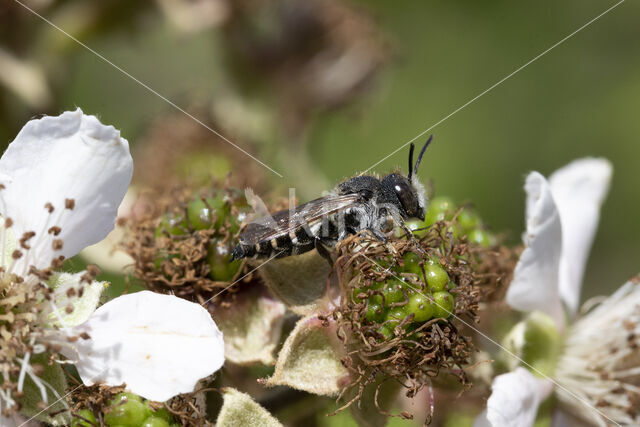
407 192
402 193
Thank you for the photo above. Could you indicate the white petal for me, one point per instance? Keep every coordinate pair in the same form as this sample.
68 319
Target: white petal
83 306
71 156
159 345
535 279
514 400
107 253
578 190
481 420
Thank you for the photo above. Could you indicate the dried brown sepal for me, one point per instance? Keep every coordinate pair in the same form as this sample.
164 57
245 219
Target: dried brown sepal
416 354
176 262
493 270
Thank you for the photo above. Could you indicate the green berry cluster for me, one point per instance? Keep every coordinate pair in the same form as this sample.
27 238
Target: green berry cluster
127 410
210 213
390 302
468 223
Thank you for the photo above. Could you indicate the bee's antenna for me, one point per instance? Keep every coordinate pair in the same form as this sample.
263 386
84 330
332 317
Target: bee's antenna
411 160
415 168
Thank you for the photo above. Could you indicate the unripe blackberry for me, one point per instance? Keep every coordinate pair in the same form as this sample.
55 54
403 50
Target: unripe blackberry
394 291
183 245
155 422
87 415
444 304
375 312
422 307
439 208
437 277
126 409
481 237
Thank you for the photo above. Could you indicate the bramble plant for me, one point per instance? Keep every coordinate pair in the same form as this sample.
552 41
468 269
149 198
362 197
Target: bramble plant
183 243
467 221
126 410
384 320
404 303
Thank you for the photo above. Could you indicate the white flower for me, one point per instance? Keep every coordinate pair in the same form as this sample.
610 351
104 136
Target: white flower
107 254
69 172
159 345
61 182
600 364
561 218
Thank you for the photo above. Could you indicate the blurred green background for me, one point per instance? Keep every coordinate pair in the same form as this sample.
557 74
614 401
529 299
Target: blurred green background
580 99
246 68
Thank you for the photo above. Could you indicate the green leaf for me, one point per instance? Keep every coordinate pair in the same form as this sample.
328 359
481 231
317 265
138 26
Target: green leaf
239 410
251 327
310 359
298 281
54 376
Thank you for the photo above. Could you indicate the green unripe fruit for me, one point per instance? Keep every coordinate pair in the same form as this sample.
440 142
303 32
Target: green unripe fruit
172 224
393 291
398 313
456 231
125 396
155 422
412 263
202 214
444 303
375 312
86 414
421 307
386 331
437 277
365 289
162 412
412 225
126 412
221 268
432 261
381 265
468 220
480 237
375 299
439 208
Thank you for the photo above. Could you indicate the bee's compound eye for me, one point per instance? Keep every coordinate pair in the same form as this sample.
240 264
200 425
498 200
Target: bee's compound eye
407 198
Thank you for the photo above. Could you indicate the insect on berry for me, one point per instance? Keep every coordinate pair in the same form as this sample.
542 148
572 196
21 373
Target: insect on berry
360 203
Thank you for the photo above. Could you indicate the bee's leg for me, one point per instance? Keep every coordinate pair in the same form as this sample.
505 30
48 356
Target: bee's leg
412 236
406 230
383 239
378 235
322 250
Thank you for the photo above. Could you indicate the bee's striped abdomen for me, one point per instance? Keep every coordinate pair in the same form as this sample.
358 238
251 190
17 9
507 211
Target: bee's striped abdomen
298 241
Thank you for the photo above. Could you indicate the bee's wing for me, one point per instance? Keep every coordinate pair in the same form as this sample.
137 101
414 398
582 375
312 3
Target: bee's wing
285 221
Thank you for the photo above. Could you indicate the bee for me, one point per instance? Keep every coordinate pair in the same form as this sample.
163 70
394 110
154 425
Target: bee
360 203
